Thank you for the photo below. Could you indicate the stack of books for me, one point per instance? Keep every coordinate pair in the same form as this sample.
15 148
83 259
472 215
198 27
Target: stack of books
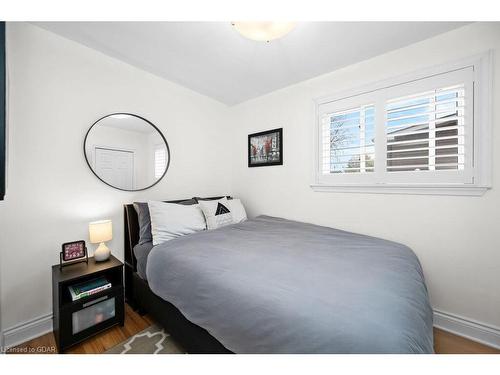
88 288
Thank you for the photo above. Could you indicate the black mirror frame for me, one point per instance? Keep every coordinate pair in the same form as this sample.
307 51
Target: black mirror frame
142 118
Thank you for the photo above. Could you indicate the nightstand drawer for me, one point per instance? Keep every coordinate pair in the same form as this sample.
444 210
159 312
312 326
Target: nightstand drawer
84 318
94 312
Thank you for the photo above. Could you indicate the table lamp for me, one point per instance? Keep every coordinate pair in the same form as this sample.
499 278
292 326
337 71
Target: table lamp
100 232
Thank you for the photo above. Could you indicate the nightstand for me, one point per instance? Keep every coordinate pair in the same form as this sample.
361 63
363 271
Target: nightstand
75 321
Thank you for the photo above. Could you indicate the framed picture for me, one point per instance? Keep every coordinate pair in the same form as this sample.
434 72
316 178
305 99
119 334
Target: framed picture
265 148
73 251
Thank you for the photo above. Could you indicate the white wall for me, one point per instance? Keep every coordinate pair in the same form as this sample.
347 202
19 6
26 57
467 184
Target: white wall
57 90
455 238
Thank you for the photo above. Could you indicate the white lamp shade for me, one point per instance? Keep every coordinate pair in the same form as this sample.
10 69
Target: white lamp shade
263 31
101 231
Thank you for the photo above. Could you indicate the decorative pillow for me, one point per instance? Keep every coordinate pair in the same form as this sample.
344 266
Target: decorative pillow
171 220
142 210
237 210
217 213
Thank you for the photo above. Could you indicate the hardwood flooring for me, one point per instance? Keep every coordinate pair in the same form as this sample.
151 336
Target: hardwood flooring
444 342
448 343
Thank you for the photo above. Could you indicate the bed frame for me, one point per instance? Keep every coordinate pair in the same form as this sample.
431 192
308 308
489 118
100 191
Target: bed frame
139 296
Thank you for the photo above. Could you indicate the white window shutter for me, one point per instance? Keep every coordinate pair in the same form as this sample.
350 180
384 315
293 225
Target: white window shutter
425 132
160 161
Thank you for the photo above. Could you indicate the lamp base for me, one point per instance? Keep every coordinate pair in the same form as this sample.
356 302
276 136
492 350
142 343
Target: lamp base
102 253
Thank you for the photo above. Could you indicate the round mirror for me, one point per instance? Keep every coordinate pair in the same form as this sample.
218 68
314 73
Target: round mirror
126 151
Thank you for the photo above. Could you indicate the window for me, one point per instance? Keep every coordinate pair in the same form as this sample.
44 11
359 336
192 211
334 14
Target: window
160 161
348 139
424 133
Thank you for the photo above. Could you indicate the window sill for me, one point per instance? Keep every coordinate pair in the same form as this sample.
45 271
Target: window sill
459 190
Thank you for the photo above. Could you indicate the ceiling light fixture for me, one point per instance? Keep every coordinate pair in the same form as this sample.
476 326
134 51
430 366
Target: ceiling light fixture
263 31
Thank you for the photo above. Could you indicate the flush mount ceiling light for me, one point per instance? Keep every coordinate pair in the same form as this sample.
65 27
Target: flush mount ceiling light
263 31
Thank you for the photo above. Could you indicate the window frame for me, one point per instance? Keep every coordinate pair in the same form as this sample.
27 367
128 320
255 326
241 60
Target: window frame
375 93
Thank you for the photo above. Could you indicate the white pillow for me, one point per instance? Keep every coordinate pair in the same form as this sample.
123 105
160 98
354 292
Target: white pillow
237 210
171 220
217 213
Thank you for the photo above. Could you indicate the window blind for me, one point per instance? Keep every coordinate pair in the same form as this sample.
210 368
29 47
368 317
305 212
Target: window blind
426 131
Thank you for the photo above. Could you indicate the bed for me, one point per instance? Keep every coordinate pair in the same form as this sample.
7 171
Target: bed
271 285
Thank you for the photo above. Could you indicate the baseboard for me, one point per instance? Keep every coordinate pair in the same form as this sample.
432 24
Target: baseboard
28 330
470 329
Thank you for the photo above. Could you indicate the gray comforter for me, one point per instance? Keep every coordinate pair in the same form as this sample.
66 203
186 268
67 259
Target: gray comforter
271 285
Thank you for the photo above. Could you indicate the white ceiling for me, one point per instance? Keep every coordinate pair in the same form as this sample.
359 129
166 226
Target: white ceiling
213 59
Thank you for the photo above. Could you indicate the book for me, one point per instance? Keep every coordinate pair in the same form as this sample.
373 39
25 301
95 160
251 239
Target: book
88 288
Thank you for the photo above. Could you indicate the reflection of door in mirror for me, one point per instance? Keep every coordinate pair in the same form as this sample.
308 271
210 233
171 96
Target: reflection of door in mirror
115 166
126 152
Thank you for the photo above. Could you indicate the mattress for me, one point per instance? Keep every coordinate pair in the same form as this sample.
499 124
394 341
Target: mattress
271 285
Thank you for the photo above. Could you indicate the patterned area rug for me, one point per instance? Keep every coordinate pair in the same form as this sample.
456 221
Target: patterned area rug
152 340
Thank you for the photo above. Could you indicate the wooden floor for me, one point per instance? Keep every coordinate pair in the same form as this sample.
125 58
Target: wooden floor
444 342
